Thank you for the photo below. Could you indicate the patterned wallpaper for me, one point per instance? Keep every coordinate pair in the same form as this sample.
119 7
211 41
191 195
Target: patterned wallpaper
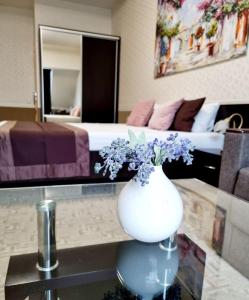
16 57
135 21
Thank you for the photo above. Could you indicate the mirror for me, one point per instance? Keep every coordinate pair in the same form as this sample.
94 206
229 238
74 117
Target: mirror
61 75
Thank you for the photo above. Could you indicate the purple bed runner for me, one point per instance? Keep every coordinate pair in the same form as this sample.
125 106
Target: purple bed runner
34 150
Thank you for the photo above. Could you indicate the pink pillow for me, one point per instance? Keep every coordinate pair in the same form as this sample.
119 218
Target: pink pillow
141 113
163 115
75 112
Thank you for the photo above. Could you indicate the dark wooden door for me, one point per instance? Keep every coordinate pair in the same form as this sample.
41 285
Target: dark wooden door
99 76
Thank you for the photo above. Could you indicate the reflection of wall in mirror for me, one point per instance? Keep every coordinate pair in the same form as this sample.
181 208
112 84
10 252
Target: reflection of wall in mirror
64 59
64 88
55 57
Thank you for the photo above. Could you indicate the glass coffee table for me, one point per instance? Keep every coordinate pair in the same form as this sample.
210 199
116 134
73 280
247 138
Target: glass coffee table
98 261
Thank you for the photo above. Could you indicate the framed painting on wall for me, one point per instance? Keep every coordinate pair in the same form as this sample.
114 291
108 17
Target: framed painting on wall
195 33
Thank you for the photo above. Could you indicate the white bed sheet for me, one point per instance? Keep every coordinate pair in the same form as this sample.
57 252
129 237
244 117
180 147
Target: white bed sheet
2 123
101 135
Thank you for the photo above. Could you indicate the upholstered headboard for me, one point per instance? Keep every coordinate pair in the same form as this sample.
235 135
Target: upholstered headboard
227 110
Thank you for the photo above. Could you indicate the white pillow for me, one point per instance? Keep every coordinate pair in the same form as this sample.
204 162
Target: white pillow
204 120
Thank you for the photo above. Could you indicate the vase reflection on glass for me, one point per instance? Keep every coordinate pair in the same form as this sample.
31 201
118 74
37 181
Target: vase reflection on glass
156 269
48 295
153 212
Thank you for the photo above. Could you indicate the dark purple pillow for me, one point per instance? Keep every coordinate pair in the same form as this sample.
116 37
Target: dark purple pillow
184 117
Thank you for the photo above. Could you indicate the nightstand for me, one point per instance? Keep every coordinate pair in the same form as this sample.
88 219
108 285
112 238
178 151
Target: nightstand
207 166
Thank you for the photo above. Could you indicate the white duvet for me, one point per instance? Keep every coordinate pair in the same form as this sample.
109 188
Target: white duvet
101 135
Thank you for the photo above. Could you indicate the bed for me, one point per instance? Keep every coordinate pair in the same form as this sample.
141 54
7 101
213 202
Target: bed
206 162
71 150
101 135
34 150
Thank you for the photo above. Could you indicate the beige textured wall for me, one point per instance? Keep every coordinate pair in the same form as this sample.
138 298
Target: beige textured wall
135 21
72 16
16 57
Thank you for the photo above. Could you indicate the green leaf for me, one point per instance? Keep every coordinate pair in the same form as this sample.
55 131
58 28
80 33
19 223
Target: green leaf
157 152
132 138
141 138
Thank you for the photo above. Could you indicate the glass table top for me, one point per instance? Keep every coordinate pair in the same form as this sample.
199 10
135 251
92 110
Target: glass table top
86 215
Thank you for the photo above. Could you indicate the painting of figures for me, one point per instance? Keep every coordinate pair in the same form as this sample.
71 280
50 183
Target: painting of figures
195 33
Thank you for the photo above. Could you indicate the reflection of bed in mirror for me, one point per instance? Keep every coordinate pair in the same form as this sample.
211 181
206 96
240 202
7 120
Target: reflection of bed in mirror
79 76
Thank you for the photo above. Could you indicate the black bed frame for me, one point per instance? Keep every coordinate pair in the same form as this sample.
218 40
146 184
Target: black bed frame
206 166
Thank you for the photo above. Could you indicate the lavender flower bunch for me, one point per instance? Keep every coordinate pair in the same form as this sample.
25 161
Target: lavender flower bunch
142 156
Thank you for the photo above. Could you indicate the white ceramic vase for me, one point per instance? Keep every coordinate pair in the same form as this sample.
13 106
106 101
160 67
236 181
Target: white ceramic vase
153 212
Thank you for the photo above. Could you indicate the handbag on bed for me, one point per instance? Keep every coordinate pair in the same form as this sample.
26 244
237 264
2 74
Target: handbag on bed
222 125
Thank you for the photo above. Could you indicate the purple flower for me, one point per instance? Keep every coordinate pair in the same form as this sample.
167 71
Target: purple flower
142 157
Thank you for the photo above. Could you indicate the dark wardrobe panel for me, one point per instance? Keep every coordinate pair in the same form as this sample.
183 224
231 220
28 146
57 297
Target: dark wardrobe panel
47 90
99 72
